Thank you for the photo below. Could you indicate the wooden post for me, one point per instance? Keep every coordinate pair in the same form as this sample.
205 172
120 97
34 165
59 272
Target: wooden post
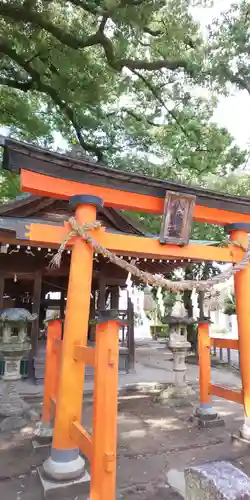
239 233
201 296
62 304
2 279
36 309
205 411
65 462
103 471
221 354
115 298
131 336
51 368
102 294
35 325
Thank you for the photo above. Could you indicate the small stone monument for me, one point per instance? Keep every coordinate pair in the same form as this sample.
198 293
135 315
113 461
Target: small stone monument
14 344
216 481
179 345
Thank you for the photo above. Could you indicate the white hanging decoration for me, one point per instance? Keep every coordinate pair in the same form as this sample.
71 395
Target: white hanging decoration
49 253
159 297
28 251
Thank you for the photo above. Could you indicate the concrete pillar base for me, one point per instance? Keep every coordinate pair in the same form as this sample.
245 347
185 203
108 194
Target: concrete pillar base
64 489
238 440
206 417
245 430
64 465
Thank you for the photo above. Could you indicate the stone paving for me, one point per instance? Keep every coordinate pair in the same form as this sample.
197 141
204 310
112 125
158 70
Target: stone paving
156 442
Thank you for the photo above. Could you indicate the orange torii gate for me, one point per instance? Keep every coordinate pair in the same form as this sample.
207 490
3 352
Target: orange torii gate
47 174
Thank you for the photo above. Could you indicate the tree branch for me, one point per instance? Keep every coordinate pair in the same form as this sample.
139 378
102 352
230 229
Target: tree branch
99 38
38 85
237 80
139 118
161 101
10 82
18 13
91 9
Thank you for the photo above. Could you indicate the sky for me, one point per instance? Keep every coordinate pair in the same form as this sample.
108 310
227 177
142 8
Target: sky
233 112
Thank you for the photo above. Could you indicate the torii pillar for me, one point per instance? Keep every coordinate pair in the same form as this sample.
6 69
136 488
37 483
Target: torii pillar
239 233
65 462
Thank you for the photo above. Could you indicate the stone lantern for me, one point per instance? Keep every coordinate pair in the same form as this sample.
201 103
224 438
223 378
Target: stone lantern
14 344
179 345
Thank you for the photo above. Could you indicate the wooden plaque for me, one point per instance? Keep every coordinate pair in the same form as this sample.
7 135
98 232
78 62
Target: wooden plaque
177 218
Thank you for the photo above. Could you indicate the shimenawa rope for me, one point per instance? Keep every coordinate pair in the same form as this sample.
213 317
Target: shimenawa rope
155 280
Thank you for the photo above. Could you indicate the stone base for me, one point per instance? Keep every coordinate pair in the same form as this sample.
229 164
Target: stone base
43 432
177 396
11 404
216 480
245 430
10 424
208 418
18 421
64 489
204 423
42 436
239 440
37 445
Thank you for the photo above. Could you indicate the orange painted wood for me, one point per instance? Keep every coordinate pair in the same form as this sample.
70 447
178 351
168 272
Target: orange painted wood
225 343
242 295
104 434
51 368
138 245
82 439
71 382
204 363
149 247
86 354
43 185
221 392
56 346
53 406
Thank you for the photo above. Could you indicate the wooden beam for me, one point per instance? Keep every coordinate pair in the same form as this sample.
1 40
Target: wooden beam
221 392
43 185
136 245
82 439
225 343
85 354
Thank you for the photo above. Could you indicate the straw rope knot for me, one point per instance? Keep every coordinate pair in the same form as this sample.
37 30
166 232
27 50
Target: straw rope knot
76 229
155 280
